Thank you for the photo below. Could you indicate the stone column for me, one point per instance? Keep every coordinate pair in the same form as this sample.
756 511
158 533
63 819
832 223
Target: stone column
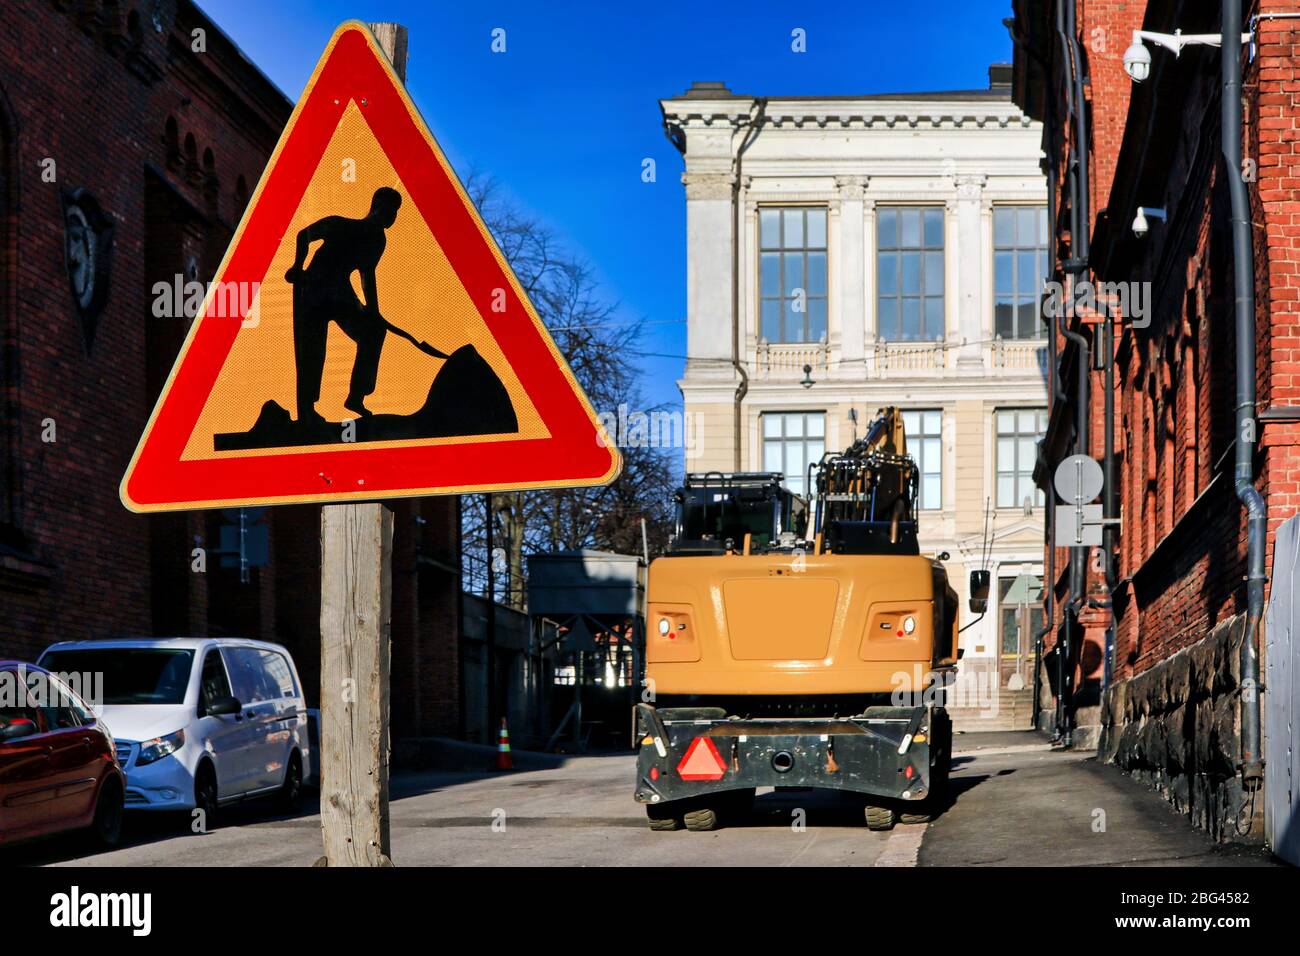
970 270
749 298
849 275
870 318
708 273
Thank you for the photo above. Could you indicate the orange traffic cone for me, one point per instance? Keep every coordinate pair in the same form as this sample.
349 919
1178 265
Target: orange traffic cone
503 748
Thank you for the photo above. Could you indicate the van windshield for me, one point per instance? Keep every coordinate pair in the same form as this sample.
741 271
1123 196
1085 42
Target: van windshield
131 675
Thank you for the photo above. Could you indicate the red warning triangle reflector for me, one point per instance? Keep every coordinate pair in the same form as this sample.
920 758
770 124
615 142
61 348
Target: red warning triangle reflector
702 761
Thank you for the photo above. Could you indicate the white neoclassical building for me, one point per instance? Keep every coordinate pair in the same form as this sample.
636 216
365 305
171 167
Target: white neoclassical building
890 250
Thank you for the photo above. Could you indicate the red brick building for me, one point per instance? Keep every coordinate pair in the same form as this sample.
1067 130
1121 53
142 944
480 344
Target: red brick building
131 136
1148 636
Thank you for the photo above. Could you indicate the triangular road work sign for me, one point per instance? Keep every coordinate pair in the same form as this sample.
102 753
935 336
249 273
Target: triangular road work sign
363 337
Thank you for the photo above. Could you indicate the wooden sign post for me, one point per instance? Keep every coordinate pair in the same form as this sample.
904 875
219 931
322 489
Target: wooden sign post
356 576
356 549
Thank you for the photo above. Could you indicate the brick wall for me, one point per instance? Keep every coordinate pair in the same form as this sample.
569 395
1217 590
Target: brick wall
1105 29
1276 147
1182 545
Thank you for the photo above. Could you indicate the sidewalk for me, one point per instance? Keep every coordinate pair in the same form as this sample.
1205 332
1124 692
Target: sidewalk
1022 804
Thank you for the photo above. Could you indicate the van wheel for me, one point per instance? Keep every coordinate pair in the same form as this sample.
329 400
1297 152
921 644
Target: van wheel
107 828
205 796
880 818
289 799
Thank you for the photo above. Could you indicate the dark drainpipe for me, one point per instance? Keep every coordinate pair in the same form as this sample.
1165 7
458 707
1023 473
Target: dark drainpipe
1110 495
1252 766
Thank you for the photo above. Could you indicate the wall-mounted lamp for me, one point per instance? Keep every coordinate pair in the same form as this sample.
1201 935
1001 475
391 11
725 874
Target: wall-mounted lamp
1140 224
808 381
1137 58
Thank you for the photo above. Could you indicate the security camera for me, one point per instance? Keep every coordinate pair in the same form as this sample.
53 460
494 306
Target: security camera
1137 58
1140 225
1137 64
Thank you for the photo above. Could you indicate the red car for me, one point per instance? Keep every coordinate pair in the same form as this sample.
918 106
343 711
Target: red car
58 765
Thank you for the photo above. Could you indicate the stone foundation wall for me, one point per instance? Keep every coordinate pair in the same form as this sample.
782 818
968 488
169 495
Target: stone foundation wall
1176 727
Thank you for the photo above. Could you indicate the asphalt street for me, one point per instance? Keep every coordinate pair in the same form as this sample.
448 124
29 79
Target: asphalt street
1014 802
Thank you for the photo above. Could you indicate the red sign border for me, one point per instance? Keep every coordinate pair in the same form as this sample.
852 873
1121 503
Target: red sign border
578 451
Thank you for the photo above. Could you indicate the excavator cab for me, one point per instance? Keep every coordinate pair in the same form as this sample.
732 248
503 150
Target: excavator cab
752 512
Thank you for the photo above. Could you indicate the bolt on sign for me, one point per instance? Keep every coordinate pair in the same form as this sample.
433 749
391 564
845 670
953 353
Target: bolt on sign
363 337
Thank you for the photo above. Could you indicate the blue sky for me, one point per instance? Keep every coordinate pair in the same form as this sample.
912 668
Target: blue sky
565 117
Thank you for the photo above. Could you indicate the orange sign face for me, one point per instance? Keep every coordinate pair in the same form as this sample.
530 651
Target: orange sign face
363 337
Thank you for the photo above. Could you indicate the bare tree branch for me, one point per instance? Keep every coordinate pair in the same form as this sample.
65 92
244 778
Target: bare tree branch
601 354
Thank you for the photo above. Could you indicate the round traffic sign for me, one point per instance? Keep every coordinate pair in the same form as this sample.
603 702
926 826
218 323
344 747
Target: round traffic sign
1078 478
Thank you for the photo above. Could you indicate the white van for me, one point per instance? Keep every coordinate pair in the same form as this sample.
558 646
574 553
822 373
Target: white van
199 722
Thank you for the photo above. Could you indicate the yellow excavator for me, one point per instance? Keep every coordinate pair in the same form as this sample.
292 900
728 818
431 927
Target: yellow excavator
795 643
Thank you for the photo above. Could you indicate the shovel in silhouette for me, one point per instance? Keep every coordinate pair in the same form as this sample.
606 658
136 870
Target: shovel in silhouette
424 347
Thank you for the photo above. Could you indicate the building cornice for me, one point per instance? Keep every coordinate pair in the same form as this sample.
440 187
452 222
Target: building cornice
848 114
992 390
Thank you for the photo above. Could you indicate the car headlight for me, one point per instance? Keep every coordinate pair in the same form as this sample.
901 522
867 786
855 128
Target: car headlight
159 747
909 624
664 626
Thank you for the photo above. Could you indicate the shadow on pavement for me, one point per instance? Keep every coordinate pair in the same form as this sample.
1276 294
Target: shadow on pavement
438 763
141 828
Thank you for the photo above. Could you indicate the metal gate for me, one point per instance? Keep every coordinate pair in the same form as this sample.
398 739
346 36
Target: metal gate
1282 697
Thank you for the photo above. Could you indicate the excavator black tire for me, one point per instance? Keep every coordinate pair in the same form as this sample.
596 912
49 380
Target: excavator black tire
880 818
701 819
663 817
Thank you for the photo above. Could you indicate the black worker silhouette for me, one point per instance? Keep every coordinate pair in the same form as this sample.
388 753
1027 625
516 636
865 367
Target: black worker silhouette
465 398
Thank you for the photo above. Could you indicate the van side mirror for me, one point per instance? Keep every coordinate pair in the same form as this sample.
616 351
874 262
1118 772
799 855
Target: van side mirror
979 591
224 706
17 728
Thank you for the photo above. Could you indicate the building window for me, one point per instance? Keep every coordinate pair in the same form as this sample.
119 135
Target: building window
909 273
1018 433
925 444
791 441
792 273
1019 270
